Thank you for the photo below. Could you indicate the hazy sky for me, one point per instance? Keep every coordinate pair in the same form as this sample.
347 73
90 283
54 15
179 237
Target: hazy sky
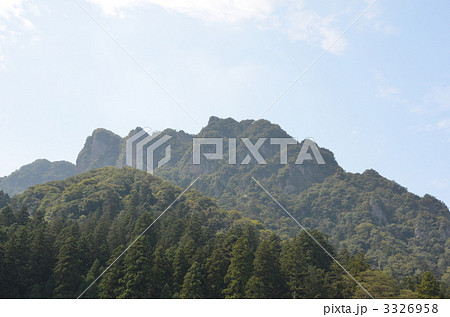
379 98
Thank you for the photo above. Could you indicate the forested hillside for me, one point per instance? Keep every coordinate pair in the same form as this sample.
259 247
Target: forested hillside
400 232
38 172
56 238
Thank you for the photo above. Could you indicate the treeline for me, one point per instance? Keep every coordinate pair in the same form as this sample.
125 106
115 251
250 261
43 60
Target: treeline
60 258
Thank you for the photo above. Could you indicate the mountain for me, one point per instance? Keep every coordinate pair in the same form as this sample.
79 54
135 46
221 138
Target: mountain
229 182
195 250
399 232
38 172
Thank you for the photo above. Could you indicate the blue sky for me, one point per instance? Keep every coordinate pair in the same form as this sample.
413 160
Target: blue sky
379 98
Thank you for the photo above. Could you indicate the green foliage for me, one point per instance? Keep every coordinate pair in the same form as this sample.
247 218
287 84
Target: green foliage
22 216
161 273
446 284
111 284
379 284
138 265
217 266
4 198
340 284
42 259
68 278
95 270
240 269
17 266
180 268
255 288
165 292
429 287
302 257
193 286
7 216
267 271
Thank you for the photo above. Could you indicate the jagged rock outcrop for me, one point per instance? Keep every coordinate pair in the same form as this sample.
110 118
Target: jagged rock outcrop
101 149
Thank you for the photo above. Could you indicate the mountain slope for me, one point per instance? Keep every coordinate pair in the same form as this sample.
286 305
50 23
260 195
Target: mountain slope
194 250
400 232
38 172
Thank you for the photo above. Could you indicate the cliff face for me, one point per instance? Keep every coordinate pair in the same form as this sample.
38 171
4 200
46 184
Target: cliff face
101 149
228 182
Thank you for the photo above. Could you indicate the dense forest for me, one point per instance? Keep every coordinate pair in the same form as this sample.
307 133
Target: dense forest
56 238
